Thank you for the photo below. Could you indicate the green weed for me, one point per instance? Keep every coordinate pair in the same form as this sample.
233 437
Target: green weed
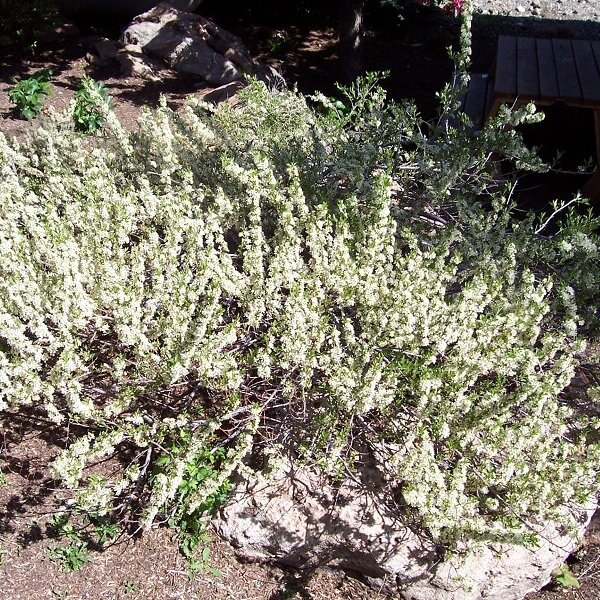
278 42
90 105
104 530
130 586
28 94
72 557
191 527
565 578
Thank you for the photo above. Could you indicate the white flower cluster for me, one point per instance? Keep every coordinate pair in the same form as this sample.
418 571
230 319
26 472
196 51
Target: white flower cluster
155 287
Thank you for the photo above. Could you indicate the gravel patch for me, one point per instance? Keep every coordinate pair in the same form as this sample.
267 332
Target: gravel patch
578 10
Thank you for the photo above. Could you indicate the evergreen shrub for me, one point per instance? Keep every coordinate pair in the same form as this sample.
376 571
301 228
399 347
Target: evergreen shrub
336 282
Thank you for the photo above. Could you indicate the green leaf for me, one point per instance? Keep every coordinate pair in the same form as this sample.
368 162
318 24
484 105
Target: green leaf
565 577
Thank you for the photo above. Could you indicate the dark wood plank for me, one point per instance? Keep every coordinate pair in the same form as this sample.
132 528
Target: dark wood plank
596 51
476 99
597 132
528 86
566 71
591 189
547 67
489 101
506 67
587 71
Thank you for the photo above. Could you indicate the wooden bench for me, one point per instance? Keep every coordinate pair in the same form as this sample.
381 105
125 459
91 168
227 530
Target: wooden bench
543 71
478 99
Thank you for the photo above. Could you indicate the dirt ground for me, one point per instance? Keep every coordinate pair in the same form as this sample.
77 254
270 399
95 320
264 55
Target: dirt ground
414 49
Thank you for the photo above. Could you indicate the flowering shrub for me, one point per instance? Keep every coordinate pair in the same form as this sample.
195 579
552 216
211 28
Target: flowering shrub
331 283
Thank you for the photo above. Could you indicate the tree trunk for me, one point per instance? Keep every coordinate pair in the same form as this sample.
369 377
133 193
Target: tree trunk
350 30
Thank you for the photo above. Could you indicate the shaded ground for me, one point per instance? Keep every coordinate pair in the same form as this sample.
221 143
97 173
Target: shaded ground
302 44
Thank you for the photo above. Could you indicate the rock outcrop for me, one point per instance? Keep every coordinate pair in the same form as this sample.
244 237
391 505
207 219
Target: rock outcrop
293 518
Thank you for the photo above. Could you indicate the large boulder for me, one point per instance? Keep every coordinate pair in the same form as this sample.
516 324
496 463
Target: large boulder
192 44
294 518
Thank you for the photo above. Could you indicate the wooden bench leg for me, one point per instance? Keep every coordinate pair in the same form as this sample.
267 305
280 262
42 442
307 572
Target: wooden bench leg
591 189
597 130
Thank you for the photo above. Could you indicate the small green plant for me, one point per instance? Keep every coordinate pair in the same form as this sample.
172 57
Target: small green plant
104 530
3 554
3 480
278 42
89 528
72 557
200 563
90 105
130 586
61 526
28 94
191 527
565 578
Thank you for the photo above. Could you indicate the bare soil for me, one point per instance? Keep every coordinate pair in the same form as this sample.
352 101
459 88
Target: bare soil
302 44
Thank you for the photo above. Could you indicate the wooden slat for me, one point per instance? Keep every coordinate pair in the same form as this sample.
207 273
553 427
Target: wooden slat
587 70
527 69
489 101
591 189
476 99
596 51
506 67
566 70
597 132
547 67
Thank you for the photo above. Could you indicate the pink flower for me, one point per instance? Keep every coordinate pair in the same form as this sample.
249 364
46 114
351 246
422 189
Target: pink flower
456 6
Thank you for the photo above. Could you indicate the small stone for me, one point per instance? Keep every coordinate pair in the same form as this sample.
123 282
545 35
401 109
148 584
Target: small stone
520 9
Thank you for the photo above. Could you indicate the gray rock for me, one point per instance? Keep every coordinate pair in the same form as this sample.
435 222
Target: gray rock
293 517
134 63
221 94
106 50
192 44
